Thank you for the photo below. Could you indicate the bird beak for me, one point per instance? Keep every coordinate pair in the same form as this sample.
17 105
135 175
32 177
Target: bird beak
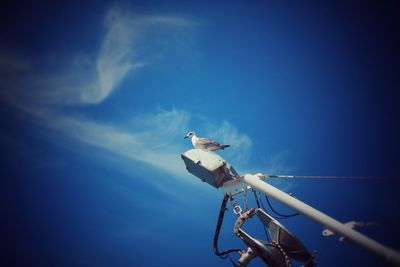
186 136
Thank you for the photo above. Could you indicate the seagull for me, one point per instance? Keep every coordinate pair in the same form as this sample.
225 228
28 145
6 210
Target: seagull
204 143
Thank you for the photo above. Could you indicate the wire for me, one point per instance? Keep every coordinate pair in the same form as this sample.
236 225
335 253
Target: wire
226 253
331 177
263 207
277 213
257 201
258 206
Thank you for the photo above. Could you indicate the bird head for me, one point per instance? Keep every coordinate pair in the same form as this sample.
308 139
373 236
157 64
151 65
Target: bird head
190 134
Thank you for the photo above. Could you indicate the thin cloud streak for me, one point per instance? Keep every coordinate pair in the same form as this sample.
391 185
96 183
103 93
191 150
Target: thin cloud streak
241 145
155 139
117 56
137 146
88 78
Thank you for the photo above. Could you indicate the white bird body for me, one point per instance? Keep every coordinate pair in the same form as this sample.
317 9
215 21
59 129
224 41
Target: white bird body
204 143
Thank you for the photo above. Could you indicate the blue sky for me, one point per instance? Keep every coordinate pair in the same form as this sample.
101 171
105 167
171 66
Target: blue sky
97 97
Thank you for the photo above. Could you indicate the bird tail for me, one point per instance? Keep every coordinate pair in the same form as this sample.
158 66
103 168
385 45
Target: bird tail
224 146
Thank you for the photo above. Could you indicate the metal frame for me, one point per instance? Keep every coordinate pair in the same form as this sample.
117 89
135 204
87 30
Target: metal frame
241 183
213 169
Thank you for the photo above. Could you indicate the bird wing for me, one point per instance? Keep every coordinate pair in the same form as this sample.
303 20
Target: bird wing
206 141
207 144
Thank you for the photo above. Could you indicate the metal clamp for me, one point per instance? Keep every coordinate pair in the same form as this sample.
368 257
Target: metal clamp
237 210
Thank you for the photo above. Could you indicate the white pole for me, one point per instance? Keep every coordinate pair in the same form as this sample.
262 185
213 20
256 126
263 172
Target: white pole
388 254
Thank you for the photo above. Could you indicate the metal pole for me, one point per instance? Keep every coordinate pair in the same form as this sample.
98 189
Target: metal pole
388 254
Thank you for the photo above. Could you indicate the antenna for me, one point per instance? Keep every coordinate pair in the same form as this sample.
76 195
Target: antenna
213 169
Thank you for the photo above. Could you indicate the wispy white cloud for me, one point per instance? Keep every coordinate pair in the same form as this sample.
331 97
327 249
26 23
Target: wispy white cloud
155 139
162 129
167 20
118 55
226 133
150 146
276 164
92 77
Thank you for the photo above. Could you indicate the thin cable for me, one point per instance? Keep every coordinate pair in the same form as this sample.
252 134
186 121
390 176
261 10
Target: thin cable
223 254
263 207
280 214
257 201
332 177
258 206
